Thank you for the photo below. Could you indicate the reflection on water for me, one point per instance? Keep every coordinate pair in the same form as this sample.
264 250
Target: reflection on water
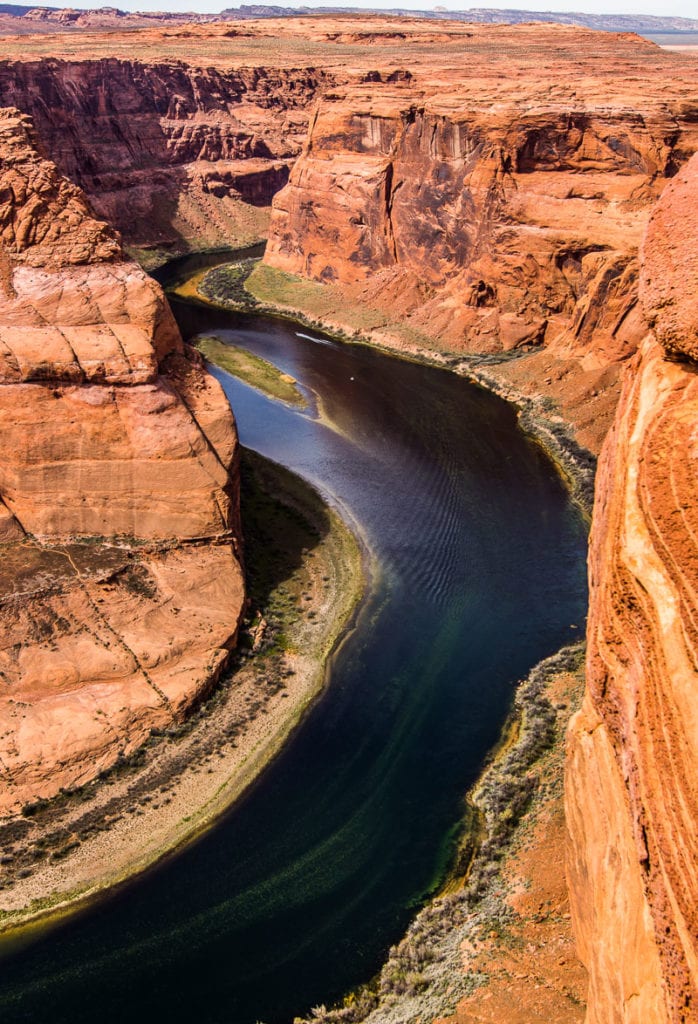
297 894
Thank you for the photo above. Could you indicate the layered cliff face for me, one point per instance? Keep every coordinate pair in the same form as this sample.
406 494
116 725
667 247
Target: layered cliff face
166 152
436 156
497 228
120 587
496 210
632 799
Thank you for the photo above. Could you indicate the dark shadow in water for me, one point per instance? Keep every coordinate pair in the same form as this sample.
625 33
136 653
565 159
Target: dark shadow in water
278 537
180 268
301 889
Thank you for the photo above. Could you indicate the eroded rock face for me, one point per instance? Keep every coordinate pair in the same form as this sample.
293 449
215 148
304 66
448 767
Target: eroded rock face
671 244
521 226
494 206
164 150
632 798
487 186
120 588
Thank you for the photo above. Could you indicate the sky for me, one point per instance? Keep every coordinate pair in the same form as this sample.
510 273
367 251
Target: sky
666 8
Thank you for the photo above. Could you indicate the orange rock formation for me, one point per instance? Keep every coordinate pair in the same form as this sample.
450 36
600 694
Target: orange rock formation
116 448
166 151
489 186
632 798
493 212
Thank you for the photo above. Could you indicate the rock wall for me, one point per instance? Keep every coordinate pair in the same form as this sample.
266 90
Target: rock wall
492 201
502 227
120 588
631 791
165 149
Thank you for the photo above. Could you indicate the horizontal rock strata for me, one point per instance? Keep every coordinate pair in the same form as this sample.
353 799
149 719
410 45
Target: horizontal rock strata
492 221
496 205
165 150
485 186
120 589
488 187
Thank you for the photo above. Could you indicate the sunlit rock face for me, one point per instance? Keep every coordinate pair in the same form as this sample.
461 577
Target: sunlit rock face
492 194
632 798
502 214
119 525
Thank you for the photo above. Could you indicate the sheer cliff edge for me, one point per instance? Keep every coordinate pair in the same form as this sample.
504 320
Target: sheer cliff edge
631 796
121 586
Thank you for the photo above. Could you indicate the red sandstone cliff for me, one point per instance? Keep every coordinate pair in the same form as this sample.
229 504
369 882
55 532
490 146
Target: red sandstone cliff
495 226
496 209
486 186
631 790
166 151
119 587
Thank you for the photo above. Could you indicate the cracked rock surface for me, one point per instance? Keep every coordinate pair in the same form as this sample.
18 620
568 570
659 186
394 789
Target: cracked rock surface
120 585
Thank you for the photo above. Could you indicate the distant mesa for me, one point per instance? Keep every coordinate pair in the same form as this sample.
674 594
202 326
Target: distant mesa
62 19
485 15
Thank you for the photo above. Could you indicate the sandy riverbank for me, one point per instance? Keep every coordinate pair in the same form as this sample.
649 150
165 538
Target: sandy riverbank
69 851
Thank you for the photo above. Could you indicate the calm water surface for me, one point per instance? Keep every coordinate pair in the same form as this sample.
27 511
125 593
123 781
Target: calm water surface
296 895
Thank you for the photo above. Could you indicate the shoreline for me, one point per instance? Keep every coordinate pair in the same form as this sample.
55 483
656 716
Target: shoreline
575 464
447 956
465 939
146 812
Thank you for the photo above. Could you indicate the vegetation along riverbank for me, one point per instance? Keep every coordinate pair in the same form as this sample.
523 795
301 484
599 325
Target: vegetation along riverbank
497 943
306 575
249 285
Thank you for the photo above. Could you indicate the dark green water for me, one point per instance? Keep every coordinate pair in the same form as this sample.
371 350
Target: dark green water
298 893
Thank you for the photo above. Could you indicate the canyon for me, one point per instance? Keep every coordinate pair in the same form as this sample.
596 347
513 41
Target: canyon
520 197
463 209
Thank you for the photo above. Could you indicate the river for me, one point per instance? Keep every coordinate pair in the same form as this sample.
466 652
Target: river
298 892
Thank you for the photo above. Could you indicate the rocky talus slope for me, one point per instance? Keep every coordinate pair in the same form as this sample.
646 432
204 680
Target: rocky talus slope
632 795
119 582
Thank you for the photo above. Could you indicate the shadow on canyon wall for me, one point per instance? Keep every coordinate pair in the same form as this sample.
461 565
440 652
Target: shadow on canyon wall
158 146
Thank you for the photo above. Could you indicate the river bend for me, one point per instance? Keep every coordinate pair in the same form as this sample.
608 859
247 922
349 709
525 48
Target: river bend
480 572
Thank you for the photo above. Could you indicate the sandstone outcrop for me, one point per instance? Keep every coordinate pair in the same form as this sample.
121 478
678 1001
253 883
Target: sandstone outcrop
495 217
670 269
25 20
496 220
167 152
120 588
632 800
